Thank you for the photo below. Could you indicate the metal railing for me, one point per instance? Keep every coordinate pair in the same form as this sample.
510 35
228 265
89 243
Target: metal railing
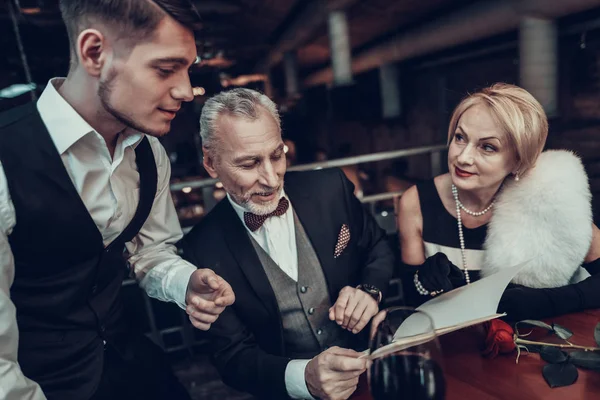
341 162
374 198
186 329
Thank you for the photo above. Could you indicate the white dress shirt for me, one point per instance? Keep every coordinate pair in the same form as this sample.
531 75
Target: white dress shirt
109 188
277 236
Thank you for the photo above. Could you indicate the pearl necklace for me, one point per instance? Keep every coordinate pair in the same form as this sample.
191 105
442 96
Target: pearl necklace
461 237
465 209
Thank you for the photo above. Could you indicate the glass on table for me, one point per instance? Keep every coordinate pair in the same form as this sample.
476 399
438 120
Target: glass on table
406 356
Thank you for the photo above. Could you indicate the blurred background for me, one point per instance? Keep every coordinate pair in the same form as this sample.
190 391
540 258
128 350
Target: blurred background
367 85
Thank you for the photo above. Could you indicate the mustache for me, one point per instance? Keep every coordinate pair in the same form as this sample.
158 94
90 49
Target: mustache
265 190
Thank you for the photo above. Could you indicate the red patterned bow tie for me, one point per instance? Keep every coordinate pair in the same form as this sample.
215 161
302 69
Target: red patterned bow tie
253 221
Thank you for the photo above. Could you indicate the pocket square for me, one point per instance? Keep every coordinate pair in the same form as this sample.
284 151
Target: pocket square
342 242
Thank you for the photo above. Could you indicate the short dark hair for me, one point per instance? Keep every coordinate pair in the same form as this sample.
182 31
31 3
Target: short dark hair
133 19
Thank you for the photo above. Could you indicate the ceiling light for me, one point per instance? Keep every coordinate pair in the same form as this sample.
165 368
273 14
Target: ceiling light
16 90
31 10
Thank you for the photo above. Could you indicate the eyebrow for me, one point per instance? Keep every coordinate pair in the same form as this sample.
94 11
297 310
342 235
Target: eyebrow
491 137
174 60
242 159
458 128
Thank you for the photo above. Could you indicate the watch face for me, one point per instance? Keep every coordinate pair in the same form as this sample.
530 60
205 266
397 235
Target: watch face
372 290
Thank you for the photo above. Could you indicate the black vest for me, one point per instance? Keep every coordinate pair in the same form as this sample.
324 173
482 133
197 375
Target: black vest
67 284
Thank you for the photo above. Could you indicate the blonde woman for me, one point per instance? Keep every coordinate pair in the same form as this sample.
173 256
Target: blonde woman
503 202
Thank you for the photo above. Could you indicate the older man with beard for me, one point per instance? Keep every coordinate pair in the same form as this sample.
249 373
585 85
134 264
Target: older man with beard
308 265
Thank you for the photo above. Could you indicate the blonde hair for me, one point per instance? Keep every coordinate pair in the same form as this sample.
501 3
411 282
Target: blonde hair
518 113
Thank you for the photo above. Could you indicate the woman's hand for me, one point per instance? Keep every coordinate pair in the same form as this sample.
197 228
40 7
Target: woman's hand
438 274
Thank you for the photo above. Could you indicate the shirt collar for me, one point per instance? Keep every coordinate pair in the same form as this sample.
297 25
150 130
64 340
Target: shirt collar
131 138
239 210
64 124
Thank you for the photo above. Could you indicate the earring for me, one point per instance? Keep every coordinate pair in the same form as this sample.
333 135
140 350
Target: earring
517 176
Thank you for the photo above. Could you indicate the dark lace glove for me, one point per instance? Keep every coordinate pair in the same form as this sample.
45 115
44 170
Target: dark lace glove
521 302
438 274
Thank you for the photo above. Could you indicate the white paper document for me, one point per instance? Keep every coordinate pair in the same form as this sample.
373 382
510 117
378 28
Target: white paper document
468 305
471 302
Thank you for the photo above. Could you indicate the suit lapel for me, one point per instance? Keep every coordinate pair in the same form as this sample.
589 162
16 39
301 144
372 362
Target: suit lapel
320 230
240 246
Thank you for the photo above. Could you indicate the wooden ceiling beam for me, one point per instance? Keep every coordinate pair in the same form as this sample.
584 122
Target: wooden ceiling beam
479 21
302 29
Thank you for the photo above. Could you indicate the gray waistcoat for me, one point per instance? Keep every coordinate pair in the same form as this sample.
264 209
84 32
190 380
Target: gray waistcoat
303 305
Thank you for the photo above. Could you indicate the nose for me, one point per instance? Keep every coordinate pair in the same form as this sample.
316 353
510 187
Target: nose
466 156
268 175
182 91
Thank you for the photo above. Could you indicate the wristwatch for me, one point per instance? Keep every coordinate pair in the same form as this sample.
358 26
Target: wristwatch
371 291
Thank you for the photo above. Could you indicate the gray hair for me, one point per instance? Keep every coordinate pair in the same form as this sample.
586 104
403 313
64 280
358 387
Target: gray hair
238 102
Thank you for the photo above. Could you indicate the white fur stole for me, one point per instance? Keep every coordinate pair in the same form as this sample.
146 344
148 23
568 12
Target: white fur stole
544 218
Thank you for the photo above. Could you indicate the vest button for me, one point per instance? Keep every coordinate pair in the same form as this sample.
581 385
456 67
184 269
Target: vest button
94 289
303 289
319 331
311 311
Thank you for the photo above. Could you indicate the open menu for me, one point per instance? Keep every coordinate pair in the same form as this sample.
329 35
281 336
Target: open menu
469 305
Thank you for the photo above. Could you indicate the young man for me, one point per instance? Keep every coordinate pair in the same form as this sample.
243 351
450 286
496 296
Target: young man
83 176
308 264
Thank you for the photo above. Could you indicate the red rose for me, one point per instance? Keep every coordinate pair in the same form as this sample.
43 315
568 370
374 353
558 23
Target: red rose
499 339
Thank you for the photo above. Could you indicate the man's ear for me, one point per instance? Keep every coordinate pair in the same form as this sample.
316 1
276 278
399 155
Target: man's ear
209 162
92 51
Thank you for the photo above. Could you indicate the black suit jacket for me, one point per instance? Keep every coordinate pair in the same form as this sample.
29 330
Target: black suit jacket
247 340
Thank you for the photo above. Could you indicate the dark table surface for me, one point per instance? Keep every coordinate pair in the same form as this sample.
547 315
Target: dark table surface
471 376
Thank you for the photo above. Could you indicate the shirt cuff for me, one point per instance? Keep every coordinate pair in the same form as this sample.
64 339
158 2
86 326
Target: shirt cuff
295 383
178 284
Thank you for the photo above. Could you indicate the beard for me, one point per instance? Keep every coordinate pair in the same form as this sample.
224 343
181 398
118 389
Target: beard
105 89
245 201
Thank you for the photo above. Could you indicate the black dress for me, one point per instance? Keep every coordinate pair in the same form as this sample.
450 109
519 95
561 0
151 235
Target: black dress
440 232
